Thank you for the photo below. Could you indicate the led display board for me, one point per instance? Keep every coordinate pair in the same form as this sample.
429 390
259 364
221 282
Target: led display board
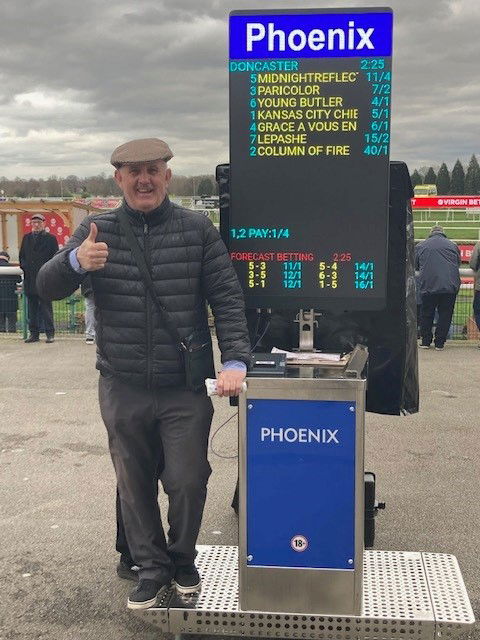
310 100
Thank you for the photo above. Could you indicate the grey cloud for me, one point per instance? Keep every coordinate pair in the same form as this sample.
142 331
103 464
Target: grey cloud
159 68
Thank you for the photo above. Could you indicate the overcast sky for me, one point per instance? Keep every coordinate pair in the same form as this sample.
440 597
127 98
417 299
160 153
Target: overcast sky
79 78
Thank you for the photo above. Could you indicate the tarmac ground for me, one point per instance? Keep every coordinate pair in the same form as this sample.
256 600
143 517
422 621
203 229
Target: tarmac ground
57 488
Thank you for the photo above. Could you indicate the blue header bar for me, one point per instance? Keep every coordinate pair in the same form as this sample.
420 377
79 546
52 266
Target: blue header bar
311 35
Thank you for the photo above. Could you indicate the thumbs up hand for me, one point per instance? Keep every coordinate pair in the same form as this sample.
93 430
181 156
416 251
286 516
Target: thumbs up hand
92 255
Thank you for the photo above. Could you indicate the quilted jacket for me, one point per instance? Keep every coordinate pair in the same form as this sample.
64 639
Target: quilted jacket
189 265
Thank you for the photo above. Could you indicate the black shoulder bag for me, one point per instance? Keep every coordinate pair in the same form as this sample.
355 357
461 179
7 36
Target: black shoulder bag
196 349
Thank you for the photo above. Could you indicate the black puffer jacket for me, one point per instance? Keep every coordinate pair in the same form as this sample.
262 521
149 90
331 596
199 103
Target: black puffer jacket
35 250
189 264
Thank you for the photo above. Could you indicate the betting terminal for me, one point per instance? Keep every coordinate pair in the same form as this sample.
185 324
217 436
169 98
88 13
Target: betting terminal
316 221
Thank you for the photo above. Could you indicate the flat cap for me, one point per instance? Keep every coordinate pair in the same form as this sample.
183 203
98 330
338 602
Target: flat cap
38 216
437 229
143 150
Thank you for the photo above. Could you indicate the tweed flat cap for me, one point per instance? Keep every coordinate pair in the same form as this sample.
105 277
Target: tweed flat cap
143 150
38 216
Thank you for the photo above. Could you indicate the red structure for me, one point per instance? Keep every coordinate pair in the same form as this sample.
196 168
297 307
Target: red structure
447 202
54 224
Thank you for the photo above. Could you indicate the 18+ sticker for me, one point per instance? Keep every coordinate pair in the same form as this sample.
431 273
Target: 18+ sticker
299 543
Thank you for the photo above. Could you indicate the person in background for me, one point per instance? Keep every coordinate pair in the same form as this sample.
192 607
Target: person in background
150 411
475 265
419 305
8 296
36 249
87 292
437 259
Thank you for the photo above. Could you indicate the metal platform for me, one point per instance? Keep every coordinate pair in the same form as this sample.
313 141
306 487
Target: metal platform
406 594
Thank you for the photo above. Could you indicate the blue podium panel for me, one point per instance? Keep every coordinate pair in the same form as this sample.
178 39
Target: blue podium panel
300 479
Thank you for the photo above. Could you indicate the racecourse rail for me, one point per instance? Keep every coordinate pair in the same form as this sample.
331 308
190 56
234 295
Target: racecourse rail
69 312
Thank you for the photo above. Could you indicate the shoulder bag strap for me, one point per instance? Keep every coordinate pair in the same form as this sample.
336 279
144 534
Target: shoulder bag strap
147 278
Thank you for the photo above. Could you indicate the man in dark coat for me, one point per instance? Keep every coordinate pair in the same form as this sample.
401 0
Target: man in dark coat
36 249
437 260
475 265
8 296
150 411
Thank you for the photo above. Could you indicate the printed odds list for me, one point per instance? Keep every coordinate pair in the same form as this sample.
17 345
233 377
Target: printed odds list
288 110
310 139
299 113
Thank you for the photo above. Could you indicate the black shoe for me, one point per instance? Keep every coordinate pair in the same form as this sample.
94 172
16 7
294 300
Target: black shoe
146 593
127 570
50 339
32 339
187 579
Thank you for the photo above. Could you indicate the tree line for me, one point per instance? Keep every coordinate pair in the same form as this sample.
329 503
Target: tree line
456 182
74 187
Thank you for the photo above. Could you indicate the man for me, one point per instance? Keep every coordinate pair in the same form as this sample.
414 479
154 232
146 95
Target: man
36 249
475 265
438 260
8 296
89 316
149 413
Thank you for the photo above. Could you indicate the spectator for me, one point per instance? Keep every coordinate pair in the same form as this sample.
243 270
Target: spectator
36 249
475 265
87 292
151 389
8 296
419 304
438 260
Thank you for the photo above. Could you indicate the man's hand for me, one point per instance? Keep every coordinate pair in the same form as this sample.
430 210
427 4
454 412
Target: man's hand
92 255
229 382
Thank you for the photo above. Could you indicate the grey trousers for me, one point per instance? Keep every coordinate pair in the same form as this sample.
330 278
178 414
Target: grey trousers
143 425
89 317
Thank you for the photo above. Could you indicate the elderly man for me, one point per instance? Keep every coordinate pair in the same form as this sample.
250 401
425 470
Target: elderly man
147 402
437 258
36 249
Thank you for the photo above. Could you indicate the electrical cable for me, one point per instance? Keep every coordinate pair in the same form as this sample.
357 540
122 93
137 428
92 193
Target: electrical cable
264 332
215 453
269 316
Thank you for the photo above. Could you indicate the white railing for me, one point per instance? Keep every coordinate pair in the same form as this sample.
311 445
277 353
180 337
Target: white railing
11 271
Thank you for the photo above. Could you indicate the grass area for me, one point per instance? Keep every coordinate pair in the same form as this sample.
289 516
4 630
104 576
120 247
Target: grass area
449 224
457 234
68 314
458 225
214 216
463 306
462 313
444 215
